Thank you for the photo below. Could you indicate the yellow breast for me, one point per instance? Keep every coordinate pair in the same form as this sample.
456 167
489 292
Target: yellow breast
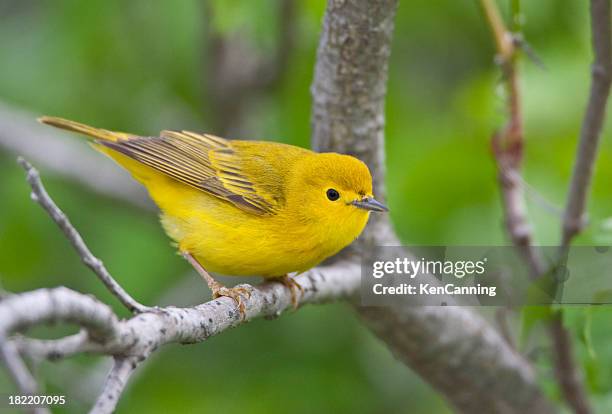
230 241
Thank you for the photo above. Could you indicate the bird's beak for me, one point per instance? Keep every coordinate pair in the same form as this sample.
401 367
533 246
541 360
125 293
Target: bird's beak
369 203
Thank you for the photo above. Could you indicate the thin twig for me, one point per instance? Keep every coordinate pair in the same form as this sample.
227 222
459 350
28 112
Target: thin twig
568 376
24 310
574 220
114 385
39 195
590 133
508 149
26 383
17 368
55 349
508 143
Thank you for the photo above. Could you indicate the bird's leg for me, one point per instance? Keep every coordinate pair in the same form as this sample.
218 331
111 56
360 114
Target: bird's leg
293 286
217 288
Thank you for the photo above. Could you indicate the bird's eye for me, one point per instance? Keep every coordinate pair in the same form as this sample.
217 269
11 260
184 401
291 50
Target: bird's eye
332 194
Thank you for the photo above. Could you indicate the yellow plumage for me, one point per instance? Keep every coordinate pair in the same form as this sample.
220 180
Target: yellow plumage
245 207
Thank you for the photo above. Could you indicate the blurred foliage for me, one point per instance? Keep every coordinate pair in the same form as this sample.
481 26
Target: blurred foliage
141 66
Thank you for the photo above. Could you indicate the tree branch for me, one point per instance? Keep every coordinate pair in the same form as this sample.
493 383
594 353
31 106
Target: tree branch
18 370
55 349
462 356
569 377
447 346
143 334
24 310
16 367
114 385
508 144
601 78
40 196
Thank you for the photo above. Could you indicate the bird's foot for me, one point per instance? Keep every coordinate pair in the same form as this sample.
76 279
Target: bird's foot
293 286
218 290
237 293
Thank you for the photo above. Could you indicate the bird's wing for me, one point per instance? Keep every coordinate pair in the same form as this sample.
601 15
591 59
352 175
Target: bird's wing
205 162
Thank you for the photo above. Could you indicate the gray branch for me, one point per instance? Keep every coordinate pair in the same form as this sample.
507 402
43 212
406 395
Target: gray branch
590 134
453 348
40 196
569 377
26 383
134 339
462 356
15 365
55 349
115 383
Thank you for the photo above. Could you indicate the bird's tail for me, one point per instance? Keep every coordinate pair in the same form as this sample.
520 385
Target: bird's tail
97 133
101 138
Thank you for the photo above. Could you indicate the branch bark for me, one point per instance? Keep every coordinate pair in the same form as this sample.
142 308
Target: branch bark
508 147
568 375
590 134
25 381
40 196
570 378
508 143
447 346
133 340
115 383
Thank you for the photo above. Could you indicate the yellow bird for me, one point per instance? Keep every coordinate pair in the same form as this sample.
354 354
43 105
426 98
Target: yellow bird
244 207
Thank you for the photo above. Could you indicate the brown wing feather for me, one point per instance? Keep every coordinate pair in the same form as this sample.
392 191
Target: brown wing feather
205 162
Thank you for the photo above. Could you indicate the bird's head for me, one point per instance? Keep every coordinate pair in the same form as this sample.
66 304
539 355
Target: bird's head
334 190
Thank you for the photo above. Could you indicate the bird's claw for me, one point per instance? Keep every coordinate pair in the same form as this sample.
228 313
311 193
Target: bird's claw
236 293
294 287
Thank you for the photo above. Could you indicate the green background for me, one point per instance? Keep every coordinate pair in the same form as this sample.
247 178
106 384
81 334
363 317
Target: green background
141 66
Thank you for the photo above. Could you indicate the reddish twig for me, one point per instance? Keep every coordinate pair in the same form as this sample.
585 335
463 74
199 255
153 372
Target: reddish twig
508 149
508 144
